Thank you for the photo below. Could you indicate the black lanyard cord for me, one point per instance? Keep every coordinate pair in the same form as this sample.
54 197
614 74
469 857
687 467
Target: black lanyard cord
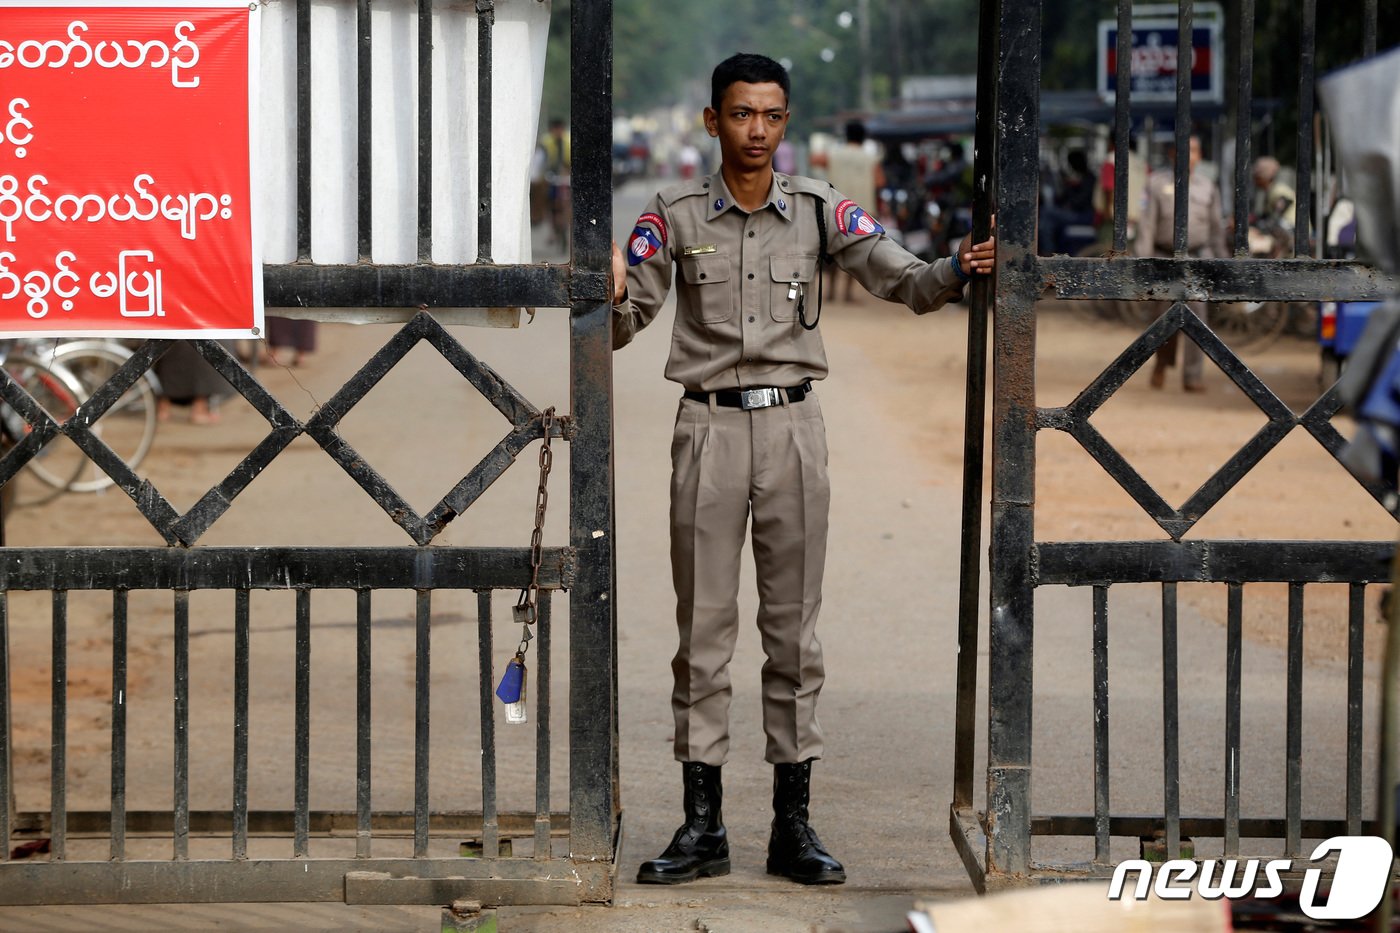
823 259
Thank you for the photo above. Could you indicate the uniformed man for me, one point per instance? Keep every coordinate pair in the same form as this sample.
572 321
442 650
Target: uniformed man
1205 237
1278 197
749 441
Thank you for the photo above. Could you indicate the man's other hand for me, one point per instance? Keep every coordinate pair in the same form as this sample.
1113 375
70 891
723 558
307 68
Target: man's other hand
979 258
618 283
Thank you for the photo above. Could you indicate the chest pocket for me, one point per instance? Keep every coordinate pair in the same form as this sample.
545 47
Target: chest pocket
784 271
710 274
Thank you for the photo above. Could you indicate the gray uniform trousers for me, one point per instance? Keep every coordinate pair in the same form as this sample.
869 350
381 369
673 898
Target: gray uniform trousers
727 464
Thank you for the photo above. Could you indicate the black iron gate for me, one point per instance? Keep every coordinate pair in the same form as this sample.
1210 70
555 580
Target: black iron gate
996 843
559 855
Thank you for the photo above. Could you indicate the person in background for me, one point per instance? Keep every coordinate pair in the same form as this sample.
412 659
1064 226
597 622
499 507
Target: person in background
855 172
1205 238
558 166
187 380
289 341
1275 204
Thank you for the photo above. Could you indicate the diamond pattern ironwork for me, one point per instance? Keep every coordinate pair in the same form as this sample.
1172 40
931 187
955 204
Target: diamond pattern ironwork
184 530
1176 522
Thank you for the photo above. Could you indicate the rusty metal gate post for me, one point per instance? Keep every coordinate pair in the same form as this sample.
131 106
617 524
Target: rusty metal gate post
593 764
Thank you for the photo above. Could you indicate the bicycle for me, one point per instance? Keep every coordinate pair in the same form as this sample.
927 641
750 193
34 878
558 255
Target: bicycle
61 376
59 393
129 426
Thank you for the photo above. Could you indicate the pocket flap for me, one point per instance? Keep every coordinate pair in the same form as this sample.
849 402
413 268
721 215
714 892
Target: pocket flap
793 268
705 270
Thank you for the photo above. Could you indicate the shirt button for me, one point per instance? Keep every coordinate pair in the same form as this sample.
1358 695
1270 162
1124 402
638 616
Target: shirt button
750 234
702 275
750 275
751 318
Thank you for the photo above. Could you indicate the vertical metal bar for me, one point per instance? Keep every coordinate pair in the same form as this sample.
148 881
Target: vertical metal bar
364 694
181 795
301 779
1182 131
425 130
485 23
242 647
1242 31
1171 723
490 827
364 106
542 743
119 631
1356 682
1101 757
974 433
1307 85
1293 766
1122 118
422 684
1011 638
593 773
1233 664
303 130
58 764
7 789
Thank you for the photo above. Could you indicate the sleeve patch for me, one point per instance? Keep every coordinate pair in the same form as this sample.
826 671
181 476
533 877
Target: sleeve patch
852 220
648 239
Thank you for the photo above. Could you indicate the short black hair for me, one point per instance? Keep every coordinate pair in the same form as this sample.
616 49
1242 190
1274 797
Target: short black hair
748 68
855 131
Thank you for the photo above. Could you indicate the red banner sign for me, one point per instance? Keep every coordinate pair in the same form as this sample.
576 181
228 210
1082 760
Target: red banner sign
126 198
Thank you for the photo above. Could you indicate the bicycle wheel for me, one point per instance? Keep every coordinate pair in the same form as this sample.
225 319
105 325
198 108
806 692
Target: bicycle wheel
1248 324
129 426
59 393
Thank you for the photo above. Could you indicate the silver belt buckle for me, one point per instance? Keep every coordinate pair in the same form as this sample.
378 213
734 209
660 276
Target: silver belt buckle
750 399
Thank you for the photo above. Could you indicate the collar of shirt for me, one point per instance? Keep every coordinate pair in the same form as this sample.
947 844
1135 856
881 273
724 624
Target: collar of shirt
780 198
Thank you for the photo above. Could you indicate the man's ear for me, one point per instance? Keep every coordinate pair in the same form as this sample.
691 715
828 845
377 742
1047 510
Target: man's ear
711 121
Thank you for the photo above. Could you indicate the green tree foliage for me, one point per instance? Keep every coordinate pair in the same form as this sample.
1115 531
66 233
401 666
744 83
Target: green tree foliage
664 51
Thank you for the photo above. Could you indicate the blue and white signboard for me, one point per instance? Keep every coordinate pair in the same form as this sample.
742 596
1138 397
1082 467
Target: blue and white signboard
1155 51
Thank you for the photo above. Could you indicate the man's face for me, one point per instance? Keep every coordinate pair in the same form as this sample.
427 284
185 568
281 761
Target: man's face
749 124
1193 154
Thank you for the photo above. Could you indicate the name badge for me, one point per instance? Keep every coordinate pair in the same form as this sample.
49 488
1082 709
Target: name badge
699 250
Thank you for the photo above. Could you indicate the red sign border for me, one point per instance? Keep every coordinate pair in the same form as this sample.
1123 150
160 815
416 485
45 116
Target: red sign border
256 330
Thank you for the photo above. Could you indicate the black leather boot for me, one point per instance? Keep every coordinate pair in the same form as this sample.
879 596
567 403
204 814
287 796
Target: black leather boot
699 849
794 851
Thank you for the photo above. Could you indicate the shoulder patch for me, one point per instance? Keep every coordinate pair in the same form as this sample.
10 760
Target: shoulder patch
648 238
852 220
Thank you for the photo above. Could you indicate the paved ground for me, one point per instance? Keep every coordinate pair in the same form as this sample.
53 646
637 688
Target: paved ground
880 798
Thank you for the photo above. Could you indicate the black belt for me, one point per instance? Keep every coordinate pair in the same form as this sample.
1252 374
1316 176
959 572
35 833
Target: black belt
749 399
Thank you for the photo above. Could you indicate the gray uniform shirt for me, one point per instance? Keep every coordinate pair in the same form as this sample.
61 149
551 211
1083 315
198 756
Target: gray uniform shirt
741 276
1205 227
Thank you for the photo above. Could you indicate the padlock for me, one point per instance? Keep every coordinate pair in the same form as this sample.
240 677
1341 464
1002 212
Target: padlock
511 690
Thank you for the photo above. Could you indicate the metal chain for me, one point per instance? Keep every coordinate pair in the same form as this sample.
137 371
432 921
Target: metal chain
527 608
